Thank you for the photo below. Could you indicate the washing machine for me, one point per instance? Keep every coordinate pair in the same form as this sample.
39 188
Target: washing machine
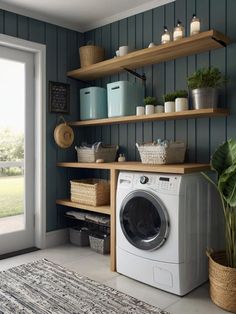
164 224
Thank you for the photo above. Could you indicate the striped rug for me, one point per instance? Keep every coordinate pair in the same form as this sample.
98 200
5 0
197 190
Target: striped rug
43 287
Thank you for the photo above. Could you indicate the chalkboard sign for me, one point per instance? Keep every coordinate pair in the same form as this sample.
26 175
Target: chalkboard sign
59 97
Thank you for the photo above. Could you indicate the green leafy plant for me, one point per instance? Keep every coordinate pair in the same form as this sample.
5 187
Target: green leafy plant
150 101
223 162
169 97
181 94
206 77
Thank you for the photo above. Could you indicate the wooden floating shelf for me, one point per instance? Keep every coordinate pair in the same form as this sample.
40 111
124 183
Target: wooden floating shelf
137 166
187 46
98 209
188 114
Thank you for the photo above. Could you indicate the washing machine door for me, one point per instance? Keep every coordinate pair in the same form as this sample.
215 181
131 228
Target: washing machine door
144 220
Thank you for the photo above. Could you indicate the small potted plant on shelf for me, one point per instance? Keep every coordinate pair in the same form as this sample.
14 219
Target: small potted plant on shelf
181 100
169 102
222 265
150 103
204 84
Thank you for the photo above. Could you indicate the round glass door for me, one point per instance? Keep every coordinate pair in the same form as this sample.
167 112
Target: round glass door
144 220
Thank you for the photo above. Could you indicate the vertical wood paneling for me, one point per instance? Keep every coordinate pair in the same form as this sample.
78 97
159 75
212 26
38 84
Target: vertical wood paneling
158 70
10 26
181 72
37 31
1 21
218 59
203 60
170 68
23 27
231 68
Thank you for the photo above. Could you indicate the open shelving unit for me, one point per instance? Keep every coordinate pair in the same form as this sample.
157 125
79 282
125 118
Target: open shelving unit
187 46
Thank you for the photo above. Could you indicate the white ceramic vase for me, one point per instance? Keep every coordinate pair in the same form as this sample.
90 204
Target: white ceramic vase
169 106
181 104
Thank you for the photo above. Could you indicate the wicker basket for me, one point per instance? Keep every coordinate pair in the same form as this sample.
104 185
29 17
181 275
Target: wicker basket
159 154
100 243
91 54
105 152
95 192
222 282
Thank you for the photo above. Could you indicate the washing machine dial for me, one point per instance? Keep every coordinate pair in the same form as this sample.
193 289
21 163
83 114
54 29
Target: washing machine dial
144 180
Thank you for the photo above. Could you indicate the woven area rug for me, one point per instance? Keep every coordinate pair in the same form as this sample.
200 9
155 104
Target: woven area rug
43 287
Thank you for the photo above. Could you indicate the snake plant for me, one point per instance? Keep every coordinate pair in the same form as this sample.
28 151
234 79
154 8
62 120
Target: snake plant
223 162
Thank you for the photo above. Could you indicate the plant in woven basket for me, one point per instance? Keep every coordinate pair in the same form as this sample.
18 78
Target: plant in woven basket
223 162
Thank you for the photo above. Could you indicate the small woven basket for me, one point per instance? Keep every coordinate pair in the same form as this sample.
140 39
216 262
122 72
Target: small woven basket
91 54
159 154
222 282
105 152
95 192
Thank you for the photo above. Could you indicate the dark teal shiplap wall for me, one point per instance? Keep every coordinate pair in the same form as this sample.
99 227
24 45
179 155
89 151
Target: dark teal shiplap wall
62 54
202 135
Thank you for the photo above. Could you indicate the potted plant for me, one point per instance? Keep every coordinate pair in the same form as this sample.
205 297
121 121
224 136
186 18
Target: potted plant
222 265
204 84
150 103
181 100
169 102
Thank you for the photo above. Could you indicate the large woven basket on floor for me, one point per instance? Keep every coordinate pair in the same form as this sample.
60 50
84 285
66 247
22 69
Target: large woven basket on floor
222 282
95 192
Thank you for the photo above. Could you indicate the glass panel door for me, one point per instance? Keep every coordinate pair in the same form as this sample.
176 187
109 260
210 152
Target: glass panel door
16 149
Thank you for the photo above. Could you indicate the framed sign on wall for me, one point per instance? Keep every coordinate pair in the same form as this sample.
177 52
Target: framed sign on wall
59 97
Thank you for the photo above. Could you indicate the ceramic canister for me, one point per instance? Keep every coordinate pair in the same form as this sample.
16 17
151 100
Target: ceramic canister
169 106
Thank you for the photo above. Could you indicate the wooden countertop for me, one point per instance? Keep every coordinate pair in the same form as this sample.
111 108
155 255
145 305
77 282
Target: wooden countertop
138 166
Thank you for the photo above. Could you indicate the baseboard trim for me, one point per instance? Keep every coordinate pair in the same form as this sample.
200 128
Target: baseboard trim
57 237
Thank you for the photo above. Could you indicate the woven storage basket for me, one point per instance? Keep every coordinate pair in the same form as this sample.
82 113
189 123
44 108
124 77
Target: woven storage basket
95 192
91 54
222 282
100 243
159 154
105 152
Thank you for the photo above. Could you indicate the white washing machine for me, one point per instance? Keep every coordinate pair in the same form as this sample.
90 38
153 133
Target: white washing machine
164 223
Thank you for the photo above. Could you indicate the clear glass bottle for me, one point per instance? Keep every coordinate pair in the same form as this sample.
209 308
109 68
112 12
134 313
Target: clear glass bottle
195 25
178 31
165 37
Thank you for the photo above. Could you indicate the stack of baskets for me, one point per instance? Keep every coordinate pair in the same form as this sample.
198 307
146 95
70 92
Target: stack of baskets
95 192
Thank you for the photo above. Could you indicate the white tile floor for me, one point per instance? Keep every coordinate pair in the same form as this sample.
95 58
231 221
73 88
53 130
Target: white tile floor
96 266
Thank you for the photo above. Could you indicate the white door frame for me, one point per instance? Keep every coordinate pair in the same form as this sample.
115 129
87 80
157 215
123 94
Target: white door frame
39 52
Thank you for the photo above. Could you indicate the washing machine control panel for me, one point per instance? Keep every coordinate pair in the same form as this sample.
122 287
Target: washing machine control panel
158 182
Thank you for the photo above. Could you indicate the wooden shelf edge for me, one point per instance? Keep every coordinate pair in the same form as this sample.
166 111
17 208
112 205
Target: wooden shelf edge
97 209
188 114
190 45
138 166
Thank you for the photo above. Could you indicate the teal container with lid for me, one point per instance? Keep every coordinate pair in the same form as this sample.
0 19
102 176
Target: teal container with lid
123 97
93 103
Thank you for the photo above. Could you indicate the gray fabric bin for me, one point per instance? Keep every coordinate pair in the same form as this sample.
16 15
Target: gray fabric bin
79 236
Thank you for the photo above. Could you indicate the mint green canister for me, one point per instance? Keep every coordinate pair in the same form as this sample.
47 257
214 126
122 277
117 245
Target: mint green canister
93 103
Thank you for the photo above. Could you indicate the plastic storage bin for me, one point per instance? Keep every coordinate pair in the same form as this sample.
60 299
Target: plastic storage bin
79 236
93 103
123 97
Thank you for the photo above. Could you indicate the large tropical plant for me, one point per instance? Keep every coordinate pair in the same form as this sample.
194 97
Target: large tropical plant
223 161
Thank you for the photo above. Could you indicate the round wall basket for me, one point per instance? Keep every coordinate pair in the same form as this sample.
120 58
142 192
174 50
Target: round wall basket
63 135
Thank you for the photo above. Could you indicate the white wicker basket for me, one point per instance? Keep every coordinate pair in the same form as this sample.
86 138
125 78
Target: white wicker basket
105 152
159 154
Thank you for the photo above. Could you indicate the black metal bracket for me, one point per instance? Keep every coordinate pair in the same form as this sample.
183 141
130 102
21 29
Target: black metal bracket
221 42
77 79
141 77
